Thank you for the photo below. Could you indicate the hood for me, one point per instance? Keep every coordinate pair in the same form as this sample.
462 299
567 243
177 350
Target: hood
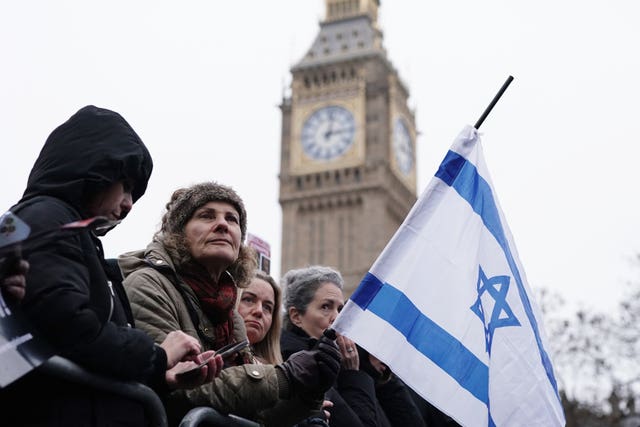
154 254
93 149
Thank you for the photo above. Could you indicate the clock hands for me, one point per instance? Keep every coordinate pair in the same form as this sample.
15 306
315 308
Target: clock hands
331 131
328 133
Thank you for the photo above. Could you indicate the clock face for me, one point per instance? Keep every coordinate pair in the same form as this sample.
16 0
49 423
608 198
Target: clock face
402 146
328 133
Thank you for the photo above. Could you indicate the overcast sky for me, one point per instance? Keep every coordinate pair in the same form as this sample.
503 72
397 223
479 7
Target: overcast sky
201 81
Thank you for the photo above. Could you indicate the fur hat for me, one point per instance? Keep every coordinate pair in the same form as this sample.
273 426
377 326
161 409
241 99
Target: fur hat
185 201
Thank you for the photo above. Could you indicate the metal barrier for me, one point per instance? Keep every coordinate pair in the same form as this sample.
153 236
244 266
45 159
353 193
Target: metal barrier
63 368
209 417
66 369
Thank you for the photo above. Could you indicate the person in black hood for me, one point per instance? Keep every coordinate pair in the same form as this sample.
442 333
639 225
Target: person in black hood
92 165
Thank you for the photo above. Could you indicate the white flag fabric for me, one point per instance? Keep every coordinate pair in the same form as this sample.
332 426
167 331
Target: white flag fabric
447 305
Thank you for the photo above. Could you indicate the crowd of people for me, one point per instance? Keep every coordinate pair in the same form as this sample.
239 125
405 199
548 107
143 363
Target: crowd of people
157 312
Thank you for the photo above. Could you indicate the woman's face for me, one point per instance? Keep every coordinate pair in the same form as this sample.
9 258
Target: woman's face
321 311
213 236
256 308
114 202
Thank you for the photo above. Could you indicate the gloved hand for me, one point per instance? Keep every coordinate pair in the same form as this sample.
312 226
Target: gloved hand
329 359
314 420
312 372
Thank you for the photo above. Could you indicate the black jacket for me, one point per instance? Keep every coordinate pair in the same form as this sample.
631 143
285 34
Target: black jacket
353 395
432 415
393 396
72 298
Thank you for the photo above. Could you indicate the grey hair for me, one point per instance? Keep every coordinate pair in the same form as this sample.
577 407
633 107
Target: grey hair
301 285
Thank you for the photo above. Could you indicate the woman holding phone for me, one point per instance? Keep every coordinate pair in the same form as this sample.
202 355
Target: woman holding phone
188 278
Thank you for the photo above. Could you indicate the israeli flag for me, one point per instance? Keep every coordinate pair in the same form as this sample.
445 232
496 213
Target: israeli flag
447 305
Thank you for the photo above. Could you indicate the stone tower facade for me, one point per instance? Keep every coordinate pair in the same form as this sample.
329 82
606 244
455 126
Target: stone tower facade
348 164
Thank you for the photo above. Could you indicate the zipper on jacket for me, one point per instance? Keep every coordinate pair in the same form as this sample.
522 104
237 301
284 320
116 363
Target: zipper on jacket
111 300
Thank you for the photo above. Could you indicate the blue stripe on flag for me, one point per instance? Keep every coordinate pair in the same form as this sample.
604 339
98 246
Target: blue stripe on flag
426 336
463 176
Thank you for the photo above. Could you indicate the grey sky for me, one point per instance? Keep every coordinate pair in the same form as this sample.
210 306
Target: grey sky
200 81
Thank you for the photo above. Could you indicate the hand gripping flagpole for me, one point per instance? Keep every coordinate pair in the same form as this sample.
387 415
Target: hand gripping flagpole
493 102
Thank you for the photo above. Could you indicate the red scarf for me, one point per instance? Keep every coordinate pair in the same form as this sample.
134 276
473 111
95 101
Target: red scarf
217 301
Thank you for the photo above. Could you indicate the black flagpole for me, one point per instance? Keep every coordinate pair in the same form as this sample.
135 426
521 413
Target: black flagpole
493 102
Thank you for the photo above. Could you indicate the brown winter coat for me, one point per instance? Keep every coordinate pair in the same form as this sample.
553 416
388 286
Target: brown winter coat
250 391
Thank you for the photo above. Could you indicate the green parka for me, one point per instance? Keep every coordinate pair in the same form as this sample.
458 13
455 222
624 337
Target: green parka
250 391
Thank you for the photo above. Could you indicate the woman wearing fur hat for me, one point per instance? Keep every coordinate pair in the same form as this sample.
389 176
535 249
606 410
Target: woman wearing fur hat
188 278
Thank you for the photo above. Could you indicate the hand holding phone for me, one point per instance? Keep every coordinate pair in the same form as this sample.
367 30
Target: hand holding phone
225 352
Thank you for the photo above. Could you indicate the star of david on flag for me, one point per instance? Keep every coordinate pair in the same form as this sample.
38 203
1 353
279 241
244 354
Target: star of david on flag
447 305
497 287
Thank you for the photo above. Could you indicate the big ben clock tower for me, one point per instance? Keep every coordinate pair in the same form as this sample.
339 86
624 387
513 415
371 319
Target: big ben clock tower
348 163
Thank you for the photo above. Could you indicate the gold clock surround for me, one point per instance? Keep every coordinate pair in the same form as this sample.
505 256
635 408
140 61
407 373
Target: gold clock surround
354 156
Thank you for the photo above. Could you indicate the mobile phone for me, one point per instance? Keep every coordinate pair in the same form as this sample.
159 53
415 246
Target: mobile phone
226 351
232 348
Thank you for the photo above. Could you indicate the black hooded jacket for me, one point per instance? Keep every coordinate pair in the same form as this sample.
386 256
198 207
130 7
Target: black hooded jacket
73 299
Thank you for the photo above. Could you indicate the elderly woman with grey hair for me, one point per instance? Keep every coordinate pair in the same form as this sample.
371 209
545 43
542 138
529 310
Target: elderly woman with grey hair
313 299
188 278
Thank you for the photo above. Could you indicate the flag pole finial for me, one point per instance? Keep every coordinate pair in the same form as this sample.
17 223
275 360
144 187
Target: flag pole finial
493 102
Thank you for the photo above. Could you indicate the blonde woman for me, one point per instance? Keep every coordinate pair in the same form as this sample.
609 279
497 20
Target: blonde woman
260 306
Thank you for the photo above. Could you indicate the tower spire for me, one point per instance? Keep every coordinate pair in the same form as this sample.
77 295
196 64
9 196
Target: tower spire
337 10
